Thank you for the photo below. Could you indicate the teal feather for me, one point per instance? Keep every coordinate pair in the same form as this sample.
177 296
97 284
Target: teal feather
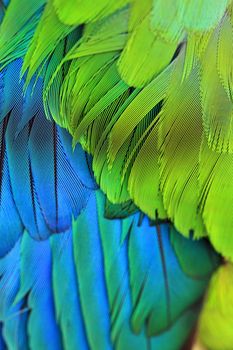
194 256
68 313
160 289
89 262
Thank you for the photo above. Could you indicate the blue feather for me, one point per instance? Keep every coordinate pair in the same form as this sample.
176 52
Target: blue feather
84 289
12 315
22 179
2 343
36 285
68 313
43 180
92 288
10 222
10 82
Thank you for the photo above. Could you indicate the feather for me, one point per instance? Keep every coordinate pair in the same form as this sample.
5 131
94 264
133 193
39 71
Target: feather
216 102
13 316
142 60
17 28
224 54
201 15
101 270
41 153
216 197
143 183
42 44
187 251
35 281
136 110
180 131
93 294
117 281
154 298
68 314
2 343
167 23
53 76
77 12
218 311
10 222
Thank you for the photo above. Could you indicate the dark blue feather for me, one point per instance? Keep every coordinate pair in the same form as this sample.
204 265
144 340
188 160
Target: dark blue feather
2 343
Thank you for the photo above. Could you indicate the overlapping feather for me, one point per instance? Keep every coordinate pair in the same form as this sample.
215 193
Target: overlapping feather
131 83
109 57
89 289
43 183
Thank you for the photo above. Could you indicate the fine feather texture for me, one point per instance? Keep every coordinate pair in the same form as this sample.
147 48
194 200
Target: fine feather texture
118 277
43 182
107 68
17 30
149 96
180 126
116 292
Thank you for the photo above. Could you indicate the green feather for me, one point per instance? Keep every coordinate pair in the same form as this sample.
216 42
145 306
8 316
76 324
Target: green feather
216 198
142 60
77 11
17 29
180 132
216 321
43 44
216 100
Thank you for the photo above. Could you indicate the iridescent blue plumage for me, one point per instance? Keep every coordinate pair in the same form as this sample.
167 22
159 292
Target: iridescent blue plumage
36 159
81 289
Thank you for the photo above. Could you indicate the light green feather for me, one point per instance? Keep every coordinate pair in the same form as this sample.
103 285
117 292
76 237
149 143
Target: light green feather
216 197
76 12
216 322
216 102
180 131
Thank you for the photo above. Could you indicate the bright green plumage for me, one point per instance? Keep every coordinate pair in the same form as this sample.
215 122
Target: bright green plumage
146 88
215 325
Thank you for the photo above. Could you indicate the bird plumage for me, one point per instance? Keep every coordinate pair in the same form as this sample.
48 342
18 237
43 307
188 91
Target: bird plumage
146 95
70 277
123 63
